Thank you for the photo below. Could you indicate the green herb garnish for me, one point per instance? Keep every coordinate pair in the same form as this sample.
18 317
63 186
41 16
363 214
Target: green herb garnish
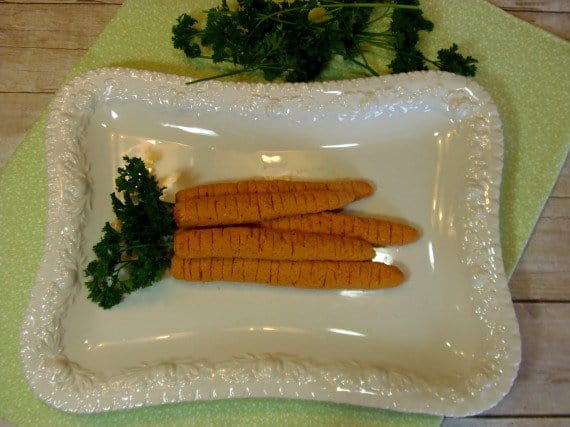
296 40
136 252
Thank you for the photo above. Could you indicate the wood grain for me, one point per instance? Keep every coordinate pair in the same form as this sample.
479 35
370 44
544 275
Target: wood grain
507 422
509 5
35 70
542 386
562 187
64 26
40 40
70 2
556 23
550 15
557 6
544 271
543 383
18 112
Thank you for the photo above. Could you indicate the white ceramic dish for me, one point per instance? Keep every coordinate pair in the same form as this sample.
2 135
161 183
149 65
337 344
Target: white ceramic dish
445 342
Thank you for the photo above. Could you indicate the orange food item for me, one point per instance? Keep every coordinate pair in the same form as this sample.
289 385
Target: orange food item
360 188
266 243
298 274
246 208
378 232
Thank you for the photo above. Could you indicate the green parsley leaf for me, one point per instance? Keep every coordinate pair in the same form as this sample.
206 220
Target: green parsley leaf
450 60
136 253
296 40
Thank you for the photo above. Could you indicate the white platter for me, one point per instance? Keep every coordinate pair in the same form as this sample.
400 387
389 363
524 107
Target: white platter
445 342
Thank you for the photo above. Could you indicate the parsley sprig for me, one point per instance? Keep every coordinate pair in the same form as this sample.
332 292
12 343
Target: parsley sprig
296 40
136 252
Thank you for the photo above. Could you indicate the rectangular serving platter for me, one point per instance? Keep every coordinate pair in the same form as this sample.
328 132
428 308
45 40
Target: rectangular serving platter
445 342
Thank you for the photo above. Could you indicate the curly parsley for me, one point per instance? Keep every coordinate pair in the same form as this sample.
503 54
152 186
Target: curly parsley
296 40
136 252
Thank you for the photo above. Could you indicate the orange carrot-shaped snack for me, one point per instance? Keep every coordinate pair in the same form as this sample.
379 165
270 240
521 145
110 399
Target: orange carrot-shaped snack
266 243
251 207
360 188
298 274
378 232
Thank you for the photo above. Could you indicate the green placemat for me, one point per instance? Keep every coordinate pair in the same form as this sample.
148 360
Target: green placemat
526 71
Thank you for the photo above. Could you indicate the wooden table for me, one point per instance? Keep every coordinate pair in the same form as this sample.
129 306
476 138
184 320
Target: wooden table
40 40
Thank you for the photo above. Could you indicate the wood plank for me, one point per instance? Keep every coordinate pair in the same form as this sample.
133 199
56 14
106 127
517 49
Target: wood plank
35 69
18 112
89 2
543 383
556 23
507 422
544 271
64 26
533 5
523 5
77 24
562 187
40 69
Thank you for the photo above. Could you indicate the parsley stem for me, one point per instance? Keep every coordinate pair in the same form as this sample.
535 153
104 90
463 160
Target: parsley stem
365 65
332 6
378 18
326 4
296 40
169 244
271 15
379 44
380 34
218 76
282 21
366 61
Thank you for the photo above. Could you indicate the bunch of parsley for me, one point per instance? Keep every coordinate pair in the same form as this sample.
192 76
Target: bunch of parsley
136 252
296 40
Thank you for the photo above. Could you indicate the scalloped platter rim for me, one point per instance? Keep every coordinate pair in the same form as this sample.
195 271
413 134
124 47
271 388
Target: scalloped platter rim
445 342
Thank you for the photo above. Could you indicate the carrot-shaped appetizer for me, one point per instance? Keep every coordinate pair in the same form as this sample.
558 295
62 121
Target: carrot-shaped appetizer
250 207
360 188
266 243
298 274
378 232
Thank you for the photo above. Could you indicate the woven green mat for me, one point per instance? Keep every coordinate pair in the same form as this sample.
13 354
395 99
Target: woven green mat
526 71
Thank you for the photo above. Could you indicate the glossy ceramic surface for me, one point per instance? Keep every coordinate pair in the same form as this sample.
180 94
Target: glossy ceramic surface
445 342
